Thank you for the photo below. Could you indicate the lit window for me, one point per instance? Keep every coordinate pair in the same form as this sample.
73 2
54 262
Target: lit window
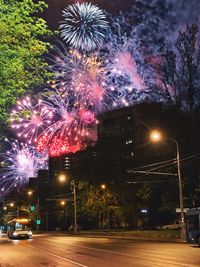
129 141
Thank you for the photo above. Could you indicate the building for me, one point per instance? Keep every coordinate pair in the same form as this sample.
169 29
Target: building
123 136
129 128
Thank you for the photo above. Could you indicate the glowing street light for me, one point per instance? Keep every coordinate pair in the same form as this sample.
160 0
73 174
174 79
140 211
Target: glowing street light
30 193
156 136
62 203
5 208
11 204
103 186
62 178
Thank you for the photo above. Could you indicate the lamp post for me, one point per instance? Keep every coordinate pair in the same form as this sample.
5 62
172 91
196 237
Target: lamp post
62 178
30 194
103 186
156 136
180 190
38 211
75 208
63 205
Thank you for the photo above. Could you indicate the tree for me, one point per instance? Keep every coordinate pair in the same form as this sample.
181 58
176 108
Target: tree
99 206
179 69
22 44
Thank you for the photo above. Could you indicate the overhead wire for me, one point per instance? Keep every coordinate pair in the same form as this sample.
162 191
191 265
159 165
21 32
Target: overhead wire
167 163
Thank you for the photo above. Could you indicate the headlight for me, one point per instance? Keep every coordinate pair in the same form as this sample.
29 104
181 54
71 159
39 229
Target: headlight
30 233
14 233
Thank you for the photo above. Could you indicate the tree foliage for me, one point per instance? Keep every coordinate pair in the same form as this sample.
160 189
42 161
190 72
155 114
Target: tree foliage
22 43
100 206
180 69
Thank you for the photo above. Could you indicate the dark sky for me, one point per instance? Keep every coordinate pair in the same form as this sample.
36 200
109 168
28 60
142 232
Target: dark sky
53 14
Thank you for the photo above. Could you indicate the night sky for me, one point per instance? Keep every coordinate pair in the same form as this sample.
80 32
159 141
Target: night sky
54 12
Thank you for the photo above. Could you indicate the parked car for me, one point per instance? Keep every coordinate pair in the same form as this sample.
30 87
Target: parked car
174 226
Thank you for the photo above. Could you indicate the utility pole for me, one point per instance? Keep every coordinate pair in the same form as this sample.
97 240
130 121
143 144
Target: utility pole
75 207
180 191
156 136
38 210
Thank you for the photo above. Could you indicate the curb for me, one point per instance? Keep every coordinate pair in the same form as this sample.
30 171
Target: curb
133 238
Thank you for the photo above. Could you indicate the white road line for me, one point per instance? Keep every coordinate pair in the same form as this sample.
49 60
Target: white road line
52 254
161 260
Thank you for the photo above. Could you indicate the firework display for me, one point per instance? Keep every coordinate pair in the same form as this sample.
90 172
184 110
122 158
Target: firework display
19 163
84 26
30 120
91 74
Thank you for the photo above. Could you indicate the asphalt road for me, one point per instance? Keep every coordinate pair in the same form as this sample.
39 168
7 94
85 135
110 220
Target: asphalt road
61 250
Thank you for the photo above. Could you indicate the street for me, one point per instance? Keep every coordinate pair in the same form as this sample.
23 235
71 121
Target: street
63 250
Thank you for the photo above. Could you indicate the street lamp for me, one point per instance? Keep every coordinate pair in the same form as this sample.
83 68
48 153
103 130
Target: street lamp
103 186
75 207
11 204
62 203
156 136
62 178
30 193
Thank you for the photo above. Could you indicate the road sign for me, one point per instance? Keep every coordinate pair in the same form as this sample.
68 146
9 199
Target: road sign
32 208
38 222
178 210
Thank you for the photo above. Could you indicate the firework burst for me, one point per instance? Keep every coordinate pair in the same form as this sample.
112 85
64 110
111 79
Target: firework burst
58 145
79 78
20 163
84 26
72 124
29 120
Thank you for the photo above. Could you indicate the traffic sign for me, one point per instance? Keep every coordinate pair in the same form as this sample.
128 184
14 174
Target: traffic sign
32 208
178 210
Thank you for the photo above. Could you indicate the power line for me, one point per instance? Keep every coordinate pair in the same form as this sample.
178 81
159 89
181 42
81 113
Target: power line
155 181
149 172
153 164
158 164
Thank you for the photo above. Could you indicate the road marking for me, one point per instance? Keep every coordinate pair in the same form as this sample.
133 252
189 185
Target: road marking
158 262
52 254
161 261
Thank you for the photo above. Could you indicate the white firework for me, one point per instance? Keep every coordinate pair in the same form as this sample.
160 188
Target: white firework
19 163
84 26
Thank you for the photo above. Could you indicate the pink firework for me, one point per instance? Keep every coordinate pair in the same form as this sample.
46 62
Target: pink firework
73 119
87 84
29 120
66 121
126 64
80 74
42 143
57 146
87 116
